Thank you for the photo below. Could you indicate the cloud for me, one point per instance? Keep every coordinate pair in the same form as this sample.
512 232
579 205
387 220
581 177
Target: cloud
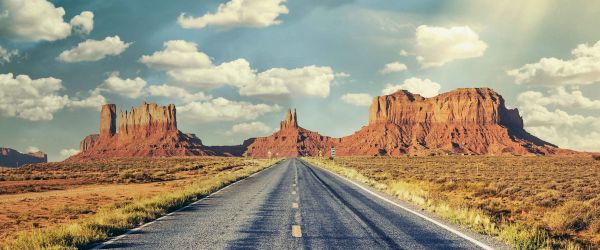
235 73
68 152
32 149
436 46
238 13
250 128
184 64
306 81
357 99
38 20
177 93
6 55
221 109
132 88
582 69
32 99
177 54
557 126
393 67
423 87
560 97
94 50
83 23
94 101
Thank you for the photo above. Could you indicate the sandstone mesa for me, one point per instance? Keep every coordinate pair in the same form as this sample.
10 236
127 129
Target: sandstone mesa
13 158
464 121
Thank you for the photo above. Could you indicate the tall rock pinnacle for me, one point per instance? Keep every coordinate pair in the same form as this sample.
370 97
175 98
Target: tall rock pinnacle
290 120
108 120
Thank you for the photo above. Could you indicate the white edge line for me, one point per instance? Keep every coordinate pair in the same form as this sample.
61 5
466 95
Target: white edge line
452 230
130 231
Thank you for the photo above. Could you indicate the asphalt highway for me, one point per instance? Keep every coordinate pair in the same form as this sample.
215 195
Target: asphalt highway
294 205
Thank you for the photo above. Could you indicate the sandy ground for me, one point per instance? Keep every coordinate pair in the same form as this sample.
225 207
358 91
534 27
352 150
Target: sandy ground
25 211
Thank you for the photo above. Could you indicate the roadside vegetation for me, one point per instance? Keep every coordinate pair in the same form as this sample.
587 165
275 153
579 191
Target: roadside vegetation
528 202
146 188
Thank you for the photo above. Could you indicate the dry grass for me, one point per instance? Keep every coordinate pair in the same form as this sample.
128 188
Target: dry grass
59 210
530 202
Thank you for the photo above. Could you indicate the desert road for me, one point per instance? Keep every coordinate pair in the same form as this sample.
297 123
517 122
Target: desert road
294 205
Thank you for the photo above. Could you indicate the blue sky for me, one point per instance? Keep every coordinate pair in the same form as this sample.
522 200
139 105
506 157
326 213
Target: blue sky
234 67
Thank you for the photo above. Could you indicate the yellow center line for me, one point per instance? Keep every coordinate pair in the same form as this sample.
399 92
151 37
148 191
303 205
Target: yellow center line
296 231
293 192
295 205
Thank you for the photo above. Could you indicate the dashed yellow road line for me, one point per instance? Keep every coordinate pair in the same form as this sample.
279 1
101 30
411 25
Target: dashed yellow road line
293 192
296 231
295 205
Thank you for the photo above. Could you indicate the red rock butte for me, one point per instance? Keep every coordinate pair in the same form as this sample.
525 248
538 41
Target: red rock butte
147 130
464 121
290 141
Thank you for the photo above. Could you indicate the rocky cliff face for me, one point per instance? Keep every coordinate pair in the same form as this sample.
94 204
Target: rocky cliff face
13 158
88 142
147 130
464 121
290 141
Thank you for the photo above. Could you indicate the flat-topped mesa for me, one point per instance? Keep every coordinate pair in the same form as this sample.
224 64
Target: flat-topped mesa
147 130
290 120
463 121
146 120
462 106
13 158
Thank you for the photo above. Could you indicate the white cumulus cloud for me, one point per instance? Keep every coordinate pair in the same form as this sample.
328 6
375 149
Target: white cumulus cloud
132 88
238 13
6 55
221 109
393 67
582 69
543 117
423 87
357 99
177 93
184 64
68 152
83 23
249 128
177 54
436 46
38 20
94 50
32 99
95 100
32 149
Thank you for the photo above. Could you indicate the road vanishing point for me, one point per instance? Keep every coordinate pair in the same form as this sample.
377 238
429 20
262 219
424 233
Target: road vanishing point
294 205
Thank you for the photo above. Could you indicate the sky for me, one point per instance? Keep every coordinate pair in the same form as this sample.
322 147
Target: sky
233 67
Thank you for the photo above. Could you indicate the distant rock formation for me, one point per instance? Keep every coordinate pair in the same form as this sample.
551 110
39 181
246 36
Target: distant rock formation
463 121
13 158
147 130
87 142
290 141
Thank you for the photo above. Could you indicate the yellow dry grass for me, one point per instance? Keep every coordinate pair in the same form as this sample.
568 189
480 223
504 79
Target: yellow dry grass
120 194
